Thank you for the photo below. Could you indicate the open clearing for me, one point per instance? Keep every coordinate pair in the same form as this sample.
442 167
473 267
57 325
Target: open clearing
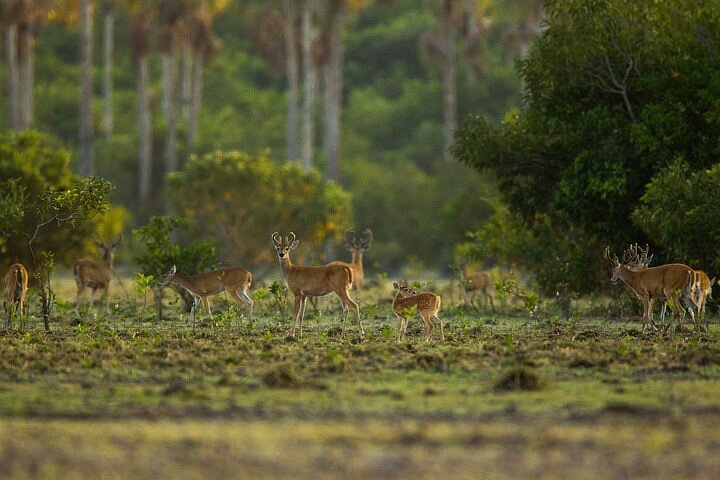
121 396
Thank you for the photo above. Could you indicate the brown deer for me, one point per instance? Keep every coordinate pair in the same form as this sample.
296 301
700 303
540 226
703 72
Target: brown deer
357 247
474 282
235 281
95 274
314 281
426 304
701 290
671 281
16 285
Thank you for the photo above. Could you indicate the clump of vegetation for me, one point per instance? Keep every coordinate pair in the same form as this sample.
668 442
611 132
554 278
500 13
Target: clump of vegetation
283 375
520 377
431 362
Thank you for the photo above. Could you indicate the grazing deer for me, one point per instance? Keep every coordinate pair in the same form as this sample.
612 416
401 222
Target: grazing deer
16 285
357 247
235 281
474 282
701 291
426 304
314 281
96 274
673 281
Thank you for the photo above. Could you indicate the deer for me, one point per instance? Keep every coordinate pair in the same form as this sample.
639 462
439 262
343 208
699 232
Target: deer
314 281
95 274
16 286
701 290
427 304
236 281
474 282
357 247
670 281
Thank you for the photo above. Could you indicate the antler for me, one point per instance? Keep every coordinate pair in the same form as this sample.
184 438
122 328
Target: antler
117 242
636 257
610 257
276 238
350 237
367 238
290 239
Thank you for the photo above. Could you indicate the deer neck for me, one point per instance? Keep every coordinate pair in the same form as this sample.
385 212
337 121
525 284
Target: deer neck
285 266
107 259
357 259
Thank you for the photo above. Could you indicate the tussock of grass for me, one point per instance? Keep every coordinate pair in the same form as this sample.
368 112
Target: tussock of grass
521 378
283 375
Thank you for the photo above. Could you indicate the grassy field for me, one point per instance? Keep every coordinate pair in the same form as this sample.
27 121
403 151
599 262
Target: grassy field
127 396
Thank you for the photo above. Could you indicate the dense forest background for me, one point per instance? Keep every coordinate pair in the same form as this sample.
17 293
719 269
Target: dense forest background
393 157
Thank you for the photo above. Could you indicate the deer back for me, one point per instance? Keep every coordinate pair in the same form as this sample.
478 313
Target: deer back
655 281
317 279
478 281
424 302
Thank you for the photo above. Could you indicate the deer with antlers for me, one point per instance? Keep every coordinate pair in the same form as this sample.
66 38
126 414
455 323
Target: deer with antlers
670 281
95 274
236 281
476 282
314 281
357 246
425 303
16 285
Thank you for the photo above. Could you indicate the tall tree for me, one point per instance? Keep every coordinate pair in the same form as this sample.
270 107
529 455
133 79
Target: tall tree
108 53
140 25
87 158
448 78
310 80
293 76
332 73
11 13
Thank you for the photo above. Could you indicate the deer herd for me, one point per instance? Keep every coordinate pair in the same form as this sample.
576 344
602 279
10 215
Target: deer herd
678 285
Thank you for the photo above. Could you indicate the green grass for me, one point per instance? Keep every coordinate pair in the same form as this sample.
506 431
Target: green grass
127 396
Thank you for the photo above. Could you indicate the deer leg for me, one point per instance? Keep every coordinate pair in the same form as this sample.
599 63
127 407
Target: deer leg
398 330
429 327
107 298
490 299
303 304
442 334
246 298
296 311
403 329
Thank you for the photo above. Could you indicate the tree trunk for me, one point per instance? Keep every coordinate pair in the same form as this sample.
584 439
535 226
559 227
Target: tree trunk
109 44
448 80
144 130
25 75
87 159
196 98
11 39
309 87
293 81
333 93
169 62
186 78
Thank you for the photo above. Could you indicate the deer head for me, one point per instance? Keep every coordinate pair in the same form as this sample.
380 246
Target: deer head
352 243
284 247
636 258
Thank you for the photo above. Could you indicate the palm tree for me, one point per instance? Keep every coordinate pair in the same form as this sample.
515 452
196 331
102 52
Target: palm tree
87 159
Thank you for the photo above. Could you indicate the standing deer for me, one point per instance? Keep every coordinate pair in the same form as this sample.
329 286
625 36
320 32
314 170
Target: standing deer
474 282
96 274
426 304
16 285
314 281
235 281
673 281
357 247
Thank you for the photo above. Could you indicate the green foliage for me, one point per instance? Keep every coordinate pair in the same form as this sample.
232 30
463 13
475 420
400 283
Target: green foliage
679 211
162 251
240 200
47 206
615 91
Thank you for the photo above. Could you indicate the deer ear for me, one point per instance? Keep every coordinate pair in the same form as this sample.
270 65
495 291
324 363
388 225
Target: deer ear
173 270
396 286
294 244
